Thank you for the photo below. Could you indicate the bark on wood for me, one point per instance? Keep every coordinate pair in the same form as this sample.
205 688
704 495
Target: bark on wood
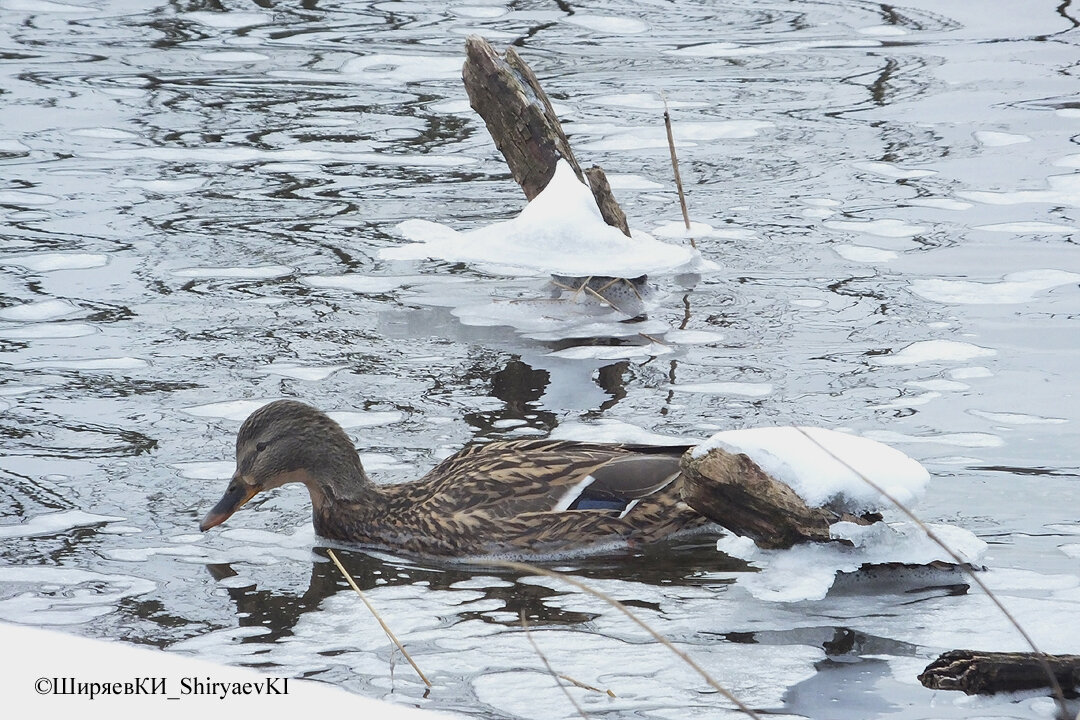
986 673
519 116
731 490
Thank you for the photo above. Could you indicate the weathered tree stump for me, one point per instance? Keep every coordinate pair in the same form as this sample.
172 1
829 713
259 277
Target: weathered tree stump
731 490
986 673
517 111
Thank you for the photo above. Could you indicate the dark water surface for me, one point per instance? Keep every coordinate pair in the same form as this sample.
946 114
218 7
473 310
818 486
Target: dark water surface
193 199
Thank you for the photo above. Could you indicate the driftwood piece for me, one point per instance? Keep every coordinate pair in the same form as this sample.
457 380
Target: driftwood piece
986 673
731 490
521 121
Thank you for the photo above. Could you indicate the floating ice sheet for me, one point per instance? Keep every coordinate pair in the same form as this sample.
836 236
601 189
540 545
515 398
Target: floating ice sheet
1030 227
228 410
81 595
632 138
727 49
609 24
263 272
560 231
928 351
1018 287
370 418
113 363
49 261
808 571
991 138
32 331
862 253
1064 190
313 373
887 227
365 284
891 170
615 431
55 523
826 467
746 389
40 310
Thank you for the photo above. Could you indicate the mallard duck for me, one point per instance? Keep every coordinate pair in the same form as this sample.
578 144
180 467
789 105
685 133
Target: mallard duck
517 497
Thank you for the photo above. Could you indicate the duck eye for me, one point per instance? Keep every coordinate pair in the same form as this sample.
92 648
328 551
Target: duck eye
260 447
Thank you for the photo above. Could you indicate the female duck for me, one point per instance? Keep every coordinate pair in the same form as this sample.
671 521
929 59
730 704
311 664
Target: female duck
512 497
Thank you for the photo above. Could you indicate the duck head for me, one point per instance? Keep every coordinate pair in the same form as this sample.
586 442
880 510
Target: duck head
287 441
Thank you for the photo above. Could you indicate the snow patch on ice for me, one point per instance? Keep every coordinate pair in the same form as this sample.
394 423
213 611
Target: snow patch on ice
560 231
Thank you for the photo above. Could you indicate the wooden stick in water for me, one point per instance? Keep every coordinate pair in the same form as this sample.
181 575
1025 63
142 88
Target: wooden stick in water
675 167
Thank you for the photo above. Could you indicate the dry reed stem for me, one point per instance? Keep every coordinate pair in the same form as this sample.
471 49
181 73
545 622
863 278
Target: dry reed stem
534 570
551 670
675 167
386 629
586 686
1055 686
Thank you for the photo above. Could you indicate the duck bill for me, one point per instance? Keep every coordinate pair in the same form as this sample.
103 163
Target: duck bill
238 493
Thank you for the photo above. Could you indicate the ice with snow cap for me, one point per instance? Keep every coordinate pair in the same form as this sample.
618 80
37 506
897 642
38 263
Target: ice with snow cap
559 232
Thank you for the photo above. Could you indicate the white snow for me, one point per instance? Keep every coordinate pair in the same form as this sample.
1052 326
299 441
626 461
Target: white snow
560 231
826 467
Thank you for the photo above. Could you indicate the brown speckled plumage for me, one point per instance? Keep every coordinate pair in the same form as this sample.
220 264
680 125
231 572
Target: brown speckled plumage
495 498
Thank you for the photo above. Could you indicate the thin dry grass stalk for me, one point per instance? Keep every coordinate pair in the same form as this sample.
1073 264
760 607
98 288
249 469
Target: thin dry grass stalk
534 570
675 167
586 686
551 670
1055 686
386 629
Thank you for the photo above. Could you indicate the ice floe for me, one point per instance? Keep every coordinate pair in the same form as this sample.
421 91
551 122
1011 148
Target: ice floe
1063 190
609 24
49 261
1018 287
40 310
54 523
264 272
862 253
925 351
313 373
891 170
886 227
745 389
992 138
808 572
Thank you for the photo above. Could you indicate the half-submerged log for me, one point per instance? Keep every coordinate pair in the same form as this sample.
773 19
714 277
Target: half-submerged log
517 111
731 490
986 673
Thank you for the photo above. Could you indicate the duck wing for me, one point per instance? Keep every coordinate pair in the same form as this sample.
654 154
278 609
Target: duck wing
508 478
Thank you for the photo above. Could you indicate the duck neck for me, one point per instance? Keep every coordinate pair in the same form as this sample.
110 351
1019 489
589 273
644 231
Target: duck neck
342 481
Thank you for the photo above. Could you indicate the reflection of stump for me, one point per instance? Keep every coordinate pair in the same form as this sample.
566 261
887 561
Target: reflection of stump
519 116
986 673
731 490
